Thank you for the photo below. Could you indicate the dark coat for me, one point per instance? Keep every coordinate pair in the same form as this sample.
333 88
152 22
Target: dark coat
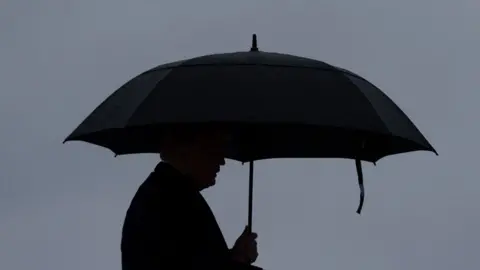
169 225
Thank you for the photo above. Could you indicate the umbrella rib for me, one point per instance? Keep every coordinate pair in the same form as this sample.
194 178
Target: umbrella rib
145 99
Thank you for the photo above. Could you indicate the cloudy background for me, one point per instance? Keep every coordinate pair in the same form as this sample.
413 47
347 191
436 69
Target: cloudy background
62 206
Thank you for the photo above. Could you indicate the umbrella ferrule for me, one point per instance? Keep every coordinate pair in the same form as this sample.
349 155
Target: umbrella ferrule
254 44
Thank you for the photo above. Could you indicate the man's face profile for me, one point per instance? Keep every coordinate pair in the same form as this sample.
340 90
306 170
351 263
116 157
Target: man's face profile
207 154
200 154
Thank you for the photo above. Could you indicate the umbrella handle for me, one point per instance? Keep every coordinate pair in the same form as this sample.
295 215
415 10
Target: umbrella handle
250 197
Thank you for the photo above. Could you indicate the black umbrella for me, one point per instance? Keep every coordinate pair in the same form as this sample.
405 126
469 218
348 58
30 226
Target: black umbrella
276 106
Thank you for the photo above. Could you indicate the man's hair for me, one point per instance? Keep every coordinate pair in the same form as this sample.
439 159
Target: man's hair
180 136
173 138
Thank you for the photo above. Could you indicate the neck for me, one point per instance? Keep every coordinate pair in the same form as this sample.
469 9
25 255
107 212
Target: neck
179 166
185 169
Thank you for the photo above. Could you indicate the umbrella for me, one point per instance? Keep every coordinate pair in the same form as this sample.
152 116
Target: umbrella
275 105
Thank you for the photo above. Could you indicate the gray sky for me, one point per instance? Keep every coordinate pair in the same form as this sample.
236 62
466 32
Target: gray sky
62 206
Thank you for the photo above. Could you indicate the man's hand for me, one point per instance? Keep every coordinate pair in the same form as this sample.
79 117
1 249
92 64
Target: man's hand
245 248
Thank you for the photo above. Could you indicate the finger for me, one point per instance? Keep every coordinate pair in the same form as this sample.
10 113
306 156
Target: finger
252 249
250 237
246 230
253 256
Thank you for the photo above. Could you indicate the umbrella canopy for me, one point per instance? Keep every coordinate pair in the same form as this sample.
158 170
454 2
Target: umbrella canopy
275 105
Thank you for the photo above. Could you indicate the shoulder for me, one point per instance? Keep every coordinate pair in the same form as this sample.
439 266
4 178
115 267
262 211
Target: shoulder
160 193
152 205
151 195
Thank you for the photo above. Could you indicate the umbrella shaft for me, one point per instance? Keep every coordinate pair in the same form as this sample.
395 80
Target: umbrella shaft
250 196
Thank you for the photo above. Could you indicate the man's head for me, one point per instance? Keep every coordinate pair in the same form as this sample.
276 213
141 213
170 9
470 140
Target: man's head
198 153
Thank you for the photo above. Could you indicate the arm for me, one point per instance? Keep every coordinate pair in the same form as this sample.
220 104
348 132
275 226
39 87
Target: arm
164 238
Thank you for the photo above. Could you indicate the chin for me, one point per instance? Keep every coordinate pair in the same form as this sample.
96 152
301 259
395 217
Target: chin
208 182
211 182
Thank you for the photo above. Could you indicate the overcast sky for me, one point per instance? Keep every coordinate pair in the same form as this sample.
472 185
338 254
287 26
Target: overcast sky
62 206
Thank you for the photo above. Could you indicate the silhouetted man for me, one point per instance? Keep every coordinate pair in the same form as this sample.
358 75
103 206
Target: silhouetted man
169 225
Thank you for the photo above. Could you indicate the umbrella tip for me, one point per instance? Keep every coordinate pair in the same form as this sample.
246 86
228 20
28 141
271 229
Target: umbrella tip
254 43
